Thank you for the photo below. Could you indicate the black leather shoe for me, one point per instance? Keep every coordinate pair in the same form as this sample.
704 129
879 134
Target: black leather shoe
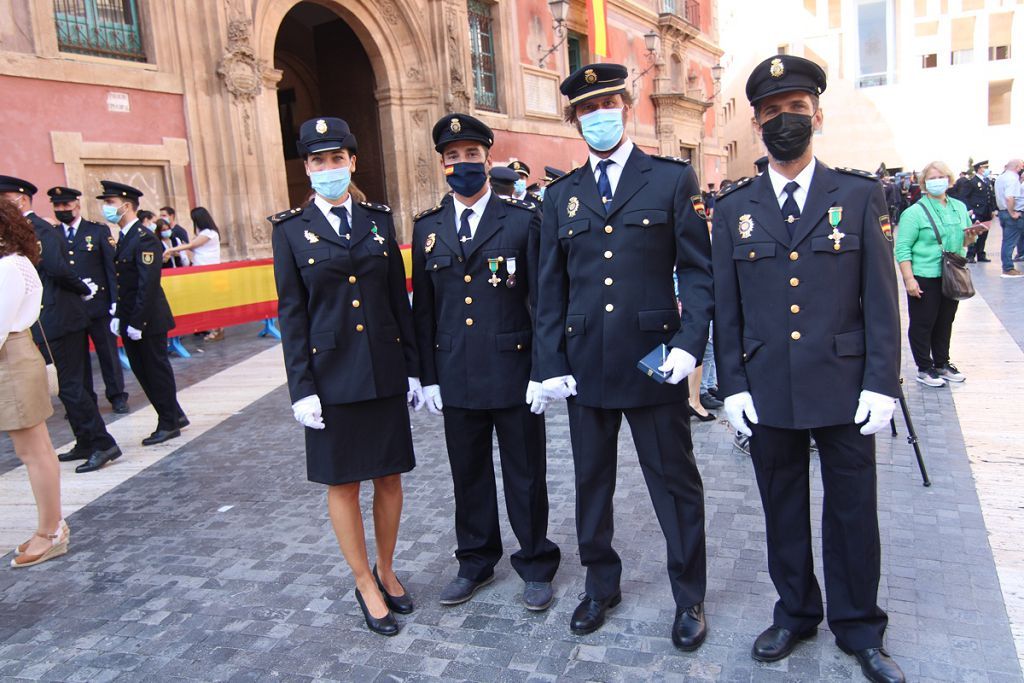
402 604
776 643
385 626
984 259
690 628
98 459
538 596
183 422
460 590
76 453
876 664
120 407
161 435
590 613
710 402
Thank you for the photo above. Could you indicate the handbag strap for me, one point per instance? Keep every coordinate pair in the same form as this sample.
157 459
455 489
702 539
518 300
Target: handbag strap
49 351
931 220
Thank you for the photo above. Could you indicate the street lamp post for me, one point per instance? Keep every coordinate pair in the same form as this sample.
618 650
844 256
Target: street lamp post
558 10
651 41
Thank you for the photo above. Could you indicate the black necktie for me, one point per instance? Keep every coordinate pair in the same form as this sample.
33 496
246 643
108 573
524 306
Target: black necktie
604 186
344 229
465 234
71 234
790 210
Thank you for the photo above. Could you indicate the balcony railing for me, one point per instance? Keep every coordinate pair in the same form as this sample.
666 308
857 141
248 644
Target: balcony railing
687 10
105 28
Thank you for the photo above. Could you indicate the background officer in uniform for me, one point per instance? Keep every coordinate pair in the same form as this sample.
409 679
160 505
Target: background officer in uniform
807 343
978 194
503 181
61 331
474 276
142 316
91 254
613 231
523 173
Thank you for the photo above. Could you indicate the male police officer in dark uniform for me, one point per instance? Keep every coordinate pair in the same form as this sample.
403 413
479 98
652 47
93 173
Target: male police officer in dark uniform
613 231
523 173
142 316
503 181
807 331
64 320
978 193
91 254
474 271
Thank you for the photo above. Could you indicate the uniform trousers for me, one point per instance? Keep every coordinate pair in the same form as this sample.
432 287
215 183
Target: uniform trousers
152 368
110 365
931 324
849 529
71 358
521 448
664 448
978 248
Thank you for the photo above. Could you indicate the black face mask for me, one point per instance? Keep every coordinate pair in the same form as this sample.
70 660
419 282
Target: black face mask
787 135
65 217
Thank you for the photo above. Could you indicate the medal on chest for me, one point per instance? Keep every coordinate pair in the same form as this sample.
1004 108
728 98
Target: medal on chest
310 237
510 268
835 215
572 207
376 235
493 263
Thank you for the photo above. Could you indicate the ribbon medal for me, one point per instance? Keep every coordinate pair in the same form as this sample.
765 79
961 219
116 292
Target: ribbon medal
376 236
835 215
88 242
510 268
492 263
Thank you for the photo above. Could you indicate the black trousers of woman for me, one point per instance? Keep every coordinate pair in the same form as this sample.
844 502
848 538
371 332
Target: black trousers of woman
931 324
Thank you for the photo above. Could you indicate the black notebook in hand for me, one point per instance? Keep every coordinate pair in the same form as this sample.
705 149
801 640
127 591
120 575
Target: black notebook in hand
650 363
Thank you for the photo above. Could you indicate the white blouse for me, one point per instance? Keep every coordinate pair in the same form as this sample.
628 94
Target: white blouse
209 253
22 295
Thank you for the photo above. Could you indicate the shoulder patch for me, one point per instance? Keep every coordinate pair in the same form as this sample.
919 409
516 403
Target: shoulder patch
284 215
561 178
866 175
678 160
522 204
432 210
729 189
383 208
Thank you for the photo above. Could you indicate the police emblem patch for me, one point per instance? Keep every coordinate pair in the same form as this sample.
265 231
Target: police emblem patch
777 69
572 207
321 126
746 226
147 258
698 206
428 246
883 223
310 237
455 126
590 76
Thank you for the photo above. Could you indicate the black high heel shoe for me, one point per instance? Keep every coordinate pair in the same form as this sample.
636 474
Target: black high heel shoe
703 418
385 626
402 604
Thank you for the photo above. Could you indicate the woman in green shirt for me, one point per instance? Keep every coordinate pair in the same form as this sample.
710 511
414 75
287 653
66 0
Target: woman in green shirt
920 258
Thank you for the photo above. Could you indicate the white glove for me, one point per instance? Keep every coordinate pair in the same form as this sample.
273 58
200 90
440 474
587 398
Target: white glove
133 334
432 397
415 395
558 388
113 307
115 327
879 406
308 412
680 364
535 397
93 288
736 408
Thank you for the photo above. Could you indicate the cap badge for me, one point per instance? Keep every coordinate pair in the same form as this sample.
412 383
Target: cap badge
516 165
589 76
321 127
777 70
455 126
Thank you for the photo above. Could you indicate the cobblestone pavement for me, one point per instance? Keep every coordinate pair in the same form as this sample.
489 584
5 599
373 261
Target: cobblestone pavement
218 563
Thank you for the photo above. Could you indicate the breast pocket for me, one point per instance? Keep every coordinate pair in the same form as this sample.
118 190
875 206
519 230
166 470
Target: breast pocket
647 218
438 263
311 257
570 231
827 245
754 251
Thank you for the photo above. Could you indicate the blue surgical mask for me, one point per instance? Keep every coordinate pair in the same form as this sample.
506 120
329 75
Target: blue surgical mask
602 129
466 178
540 192
165 234
111 213
936 187
985 173
520 186
331 184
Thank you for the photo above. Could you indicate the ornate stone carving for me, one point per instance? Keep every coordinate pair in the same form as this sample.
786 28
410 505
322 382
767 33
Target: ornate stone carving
239 67
458 95
390 12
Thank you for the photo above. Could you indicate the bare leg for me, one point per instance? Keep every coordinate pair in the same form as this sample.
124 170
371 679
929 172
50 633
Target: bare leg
387 513
347 519
693 381
34 448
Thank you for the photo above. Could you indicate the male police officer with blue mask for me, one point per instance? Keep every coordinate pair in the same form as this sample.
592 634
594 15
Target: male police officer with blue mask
474 273
807 343
614 230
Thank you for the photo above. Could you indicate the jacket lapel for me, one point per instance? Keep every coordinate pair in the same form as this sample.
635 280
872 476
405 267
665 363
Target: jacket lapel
362 225
490 224
315 222
586 190
820 196
444 226
632 180
767 214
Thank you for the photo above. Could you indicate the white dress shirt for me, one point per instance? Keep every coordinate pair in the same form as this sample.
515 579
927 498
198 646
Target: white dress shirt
75 225
335 221
803 179
478 212
125 229
618 159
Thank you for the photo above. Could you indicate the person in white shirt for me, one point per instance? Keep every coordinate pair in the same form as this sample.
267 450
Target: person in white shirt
1010 202
205 250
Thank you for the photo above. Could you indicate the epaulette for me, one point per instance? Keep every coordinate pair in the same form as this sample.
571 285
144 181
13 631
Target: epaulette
867 175
563 177
678 160
732 187
423 214
520 203
384 208
284 215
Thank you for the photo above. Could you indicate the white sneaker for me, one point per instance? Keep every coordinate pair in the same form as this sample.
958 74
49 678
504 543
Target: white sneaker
930 378
949 373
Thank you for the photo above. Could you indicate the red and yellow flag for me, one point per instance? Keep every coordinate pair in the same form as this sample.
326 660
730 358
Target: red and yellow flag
597 18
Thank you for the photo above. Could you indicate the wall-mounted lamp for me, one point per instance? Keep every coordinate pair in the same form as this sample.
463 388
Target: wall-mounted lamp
716 75
651 41
558 11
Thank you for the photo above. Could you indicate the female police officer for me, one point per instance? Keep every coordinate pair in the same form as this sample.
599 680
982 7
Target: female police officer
348 344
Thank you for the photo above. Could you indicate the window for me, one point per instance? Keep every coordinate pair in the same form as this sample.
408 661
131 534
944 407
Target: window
962 45
481 45
999 29
105 28
929 61
577 46
873 37
999 93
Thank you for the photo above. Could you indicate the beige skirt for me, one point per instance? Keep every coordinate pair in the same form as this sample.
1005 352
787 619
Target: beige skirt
24 395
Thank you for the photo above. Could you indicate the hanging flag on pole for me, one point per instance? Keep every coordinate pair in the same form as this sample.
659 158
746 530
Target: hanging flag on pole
597 18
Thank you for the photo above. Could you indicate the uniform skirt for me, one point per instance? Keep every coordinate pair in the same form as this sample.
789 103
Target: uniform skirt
360 441
24 393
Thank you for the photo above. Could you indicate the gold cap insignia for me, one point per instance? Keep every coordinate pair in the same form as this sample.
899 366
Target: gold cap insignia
147 258
455 126
589 76
516 165
777 69
321 127
428 246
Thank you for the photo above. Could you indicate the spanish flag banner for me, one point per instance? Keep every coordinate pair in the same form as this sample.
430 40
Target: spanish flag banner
597 18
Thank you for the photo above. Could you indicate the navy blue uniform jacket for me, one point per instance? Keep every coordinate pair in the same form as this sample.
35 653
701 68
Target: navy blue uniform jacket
91 254
141 303
63 311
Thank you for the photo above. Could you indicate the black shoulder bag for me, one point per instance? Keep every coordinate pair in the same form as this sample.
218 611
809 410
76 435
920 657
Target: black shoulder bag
956 278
